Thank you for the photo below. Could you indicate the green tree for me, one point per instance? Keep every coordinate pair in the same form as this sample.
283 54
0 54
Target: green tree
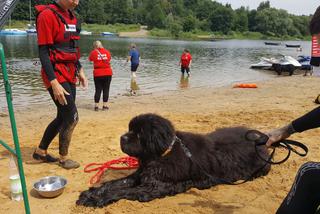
95 13
156 17
263 5
174 26
189 23
274 22
222 19
241 20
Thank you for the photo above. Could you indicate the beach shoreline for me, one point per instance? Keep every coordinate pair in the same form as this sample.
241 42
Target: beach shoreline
96 139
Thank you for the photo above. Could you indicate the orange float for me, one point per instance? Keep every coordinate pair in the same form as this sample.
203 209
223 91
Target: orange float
245 85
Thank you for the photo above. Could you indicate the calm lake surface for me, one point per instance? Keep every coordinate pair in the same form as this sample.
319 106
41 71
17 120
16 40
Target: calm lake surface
214 64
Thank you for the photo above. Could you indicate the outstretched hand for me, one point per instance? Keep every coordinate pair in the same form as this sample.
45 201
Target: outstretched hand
277 135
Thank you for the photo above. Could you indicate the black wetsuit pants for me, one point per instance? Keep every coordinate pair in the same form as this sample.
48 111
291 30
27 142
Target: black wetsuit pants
183 70
304 196
64 123
102 84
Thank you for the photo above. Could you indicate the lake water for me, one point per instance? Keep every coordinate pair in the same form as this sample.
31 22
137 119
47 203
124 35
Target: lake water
214 64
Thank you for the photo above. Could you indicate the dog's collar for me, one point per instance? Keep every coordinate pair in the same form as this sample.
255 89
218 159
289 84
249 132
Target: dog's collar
184 148
175 139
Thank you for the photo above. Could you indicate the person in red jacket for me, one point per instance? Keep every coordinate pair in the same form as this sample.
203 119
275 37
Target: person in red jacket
58 37
185 62
102 74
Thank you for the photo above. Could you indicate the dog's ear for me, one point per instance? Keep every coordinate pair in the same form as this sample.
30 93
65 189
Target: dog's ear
156 134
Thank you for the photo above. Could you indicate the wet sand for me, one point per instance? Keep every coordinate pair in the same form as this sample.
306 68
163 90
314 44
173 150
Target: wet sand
96 139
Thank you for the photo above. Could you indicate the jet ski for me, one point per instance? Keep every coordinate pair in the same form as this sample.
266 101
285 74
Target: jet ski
305 62
263 64
283 64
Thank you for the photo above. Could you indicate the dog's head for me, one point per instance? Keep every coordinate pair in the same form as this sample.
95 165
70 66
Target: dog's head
148 137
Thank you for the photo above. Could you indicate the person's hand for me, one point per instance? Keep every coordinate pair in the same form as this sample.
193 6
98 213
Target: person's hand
277 135
83 79
59 92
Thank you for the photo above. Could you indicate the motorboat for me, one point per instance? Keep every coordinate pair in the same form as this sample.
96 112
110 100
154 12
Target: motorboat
31 28
12 32
282 64
305 62
293 45
108 34
84 32
31 31
272 43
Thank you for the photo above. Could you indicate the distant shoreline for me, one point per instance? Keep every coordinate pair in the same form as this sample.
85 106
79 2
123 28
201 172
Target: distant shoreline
138 31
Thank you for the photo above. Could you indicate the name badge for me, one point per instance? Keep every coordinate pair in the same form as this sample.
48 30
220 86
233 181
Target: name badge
71 28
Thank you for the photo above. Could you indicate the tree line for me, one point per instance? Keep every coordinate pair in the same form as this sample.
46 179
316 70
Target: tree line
184 16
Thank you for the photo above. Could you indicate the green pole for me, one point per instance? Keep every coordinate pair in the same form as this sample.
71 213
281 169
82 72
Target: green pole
14 130
8 148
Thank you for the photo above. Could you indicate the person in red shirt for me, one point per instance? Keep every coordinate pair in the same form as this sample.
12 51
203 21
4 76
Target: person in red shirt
58 36
185 62
102 74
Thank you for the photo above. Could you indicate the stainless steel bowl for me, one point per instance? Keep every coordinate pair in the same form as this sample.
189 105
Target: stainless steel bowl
50 187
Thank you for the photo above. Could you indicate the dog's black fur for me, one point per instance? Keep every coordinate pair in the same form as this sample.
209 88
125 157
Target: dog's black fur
219 157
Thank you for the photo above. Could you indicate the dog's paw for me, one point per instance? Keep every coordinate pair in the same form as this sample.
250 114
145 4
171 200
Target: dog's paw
90 198
86 199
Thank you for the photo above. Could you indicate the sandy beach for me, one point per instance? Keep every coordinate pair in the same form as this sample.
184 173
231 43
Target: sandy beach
96 139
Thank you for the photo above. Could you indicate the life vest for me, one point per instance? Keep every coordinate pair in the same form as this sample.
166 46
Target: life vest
315 50
315 46
64 53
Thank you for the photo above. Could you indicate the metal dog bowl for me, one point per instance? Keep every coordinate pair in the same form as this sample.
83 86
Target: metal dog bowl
50 187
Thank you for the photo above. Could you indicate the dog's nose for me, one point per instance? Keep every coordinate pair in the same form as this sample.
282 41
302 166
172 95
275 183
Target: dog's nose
124 138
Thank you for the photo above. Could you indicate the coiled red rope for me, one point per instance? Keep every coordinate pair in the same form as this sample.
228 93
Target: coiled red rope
129 162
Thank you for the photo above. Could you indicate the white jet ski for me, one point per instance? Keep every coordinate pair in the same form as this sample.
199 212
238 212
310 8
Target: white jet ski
283 64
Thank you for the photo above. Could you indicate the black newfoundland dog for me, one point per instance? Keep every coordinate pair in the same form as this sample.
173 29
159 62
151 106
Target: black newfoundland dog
171 162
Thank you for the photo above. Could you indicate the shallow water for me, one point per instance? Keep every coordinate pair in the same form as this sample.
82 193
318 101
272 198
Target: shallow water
214 64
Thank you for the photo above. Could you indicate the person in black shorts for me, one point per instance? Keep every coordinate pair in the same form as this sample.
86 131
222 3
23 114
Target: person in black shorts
134 58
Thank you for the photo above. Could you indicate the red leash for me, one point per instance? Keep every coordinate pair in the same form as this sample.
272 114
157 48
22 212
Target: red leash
130 162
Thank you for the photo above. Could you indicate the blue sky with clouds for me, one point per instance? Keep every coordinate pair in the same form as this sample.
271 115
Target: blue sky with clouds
298 7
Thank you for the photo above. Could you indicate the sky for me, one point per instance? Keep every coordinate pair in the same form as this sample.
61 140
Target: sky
297 7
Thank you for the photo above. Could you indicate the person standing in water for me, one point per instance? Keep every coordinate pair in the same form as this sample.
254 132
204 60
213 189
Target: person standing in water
102 74
185 62
134 58
58 37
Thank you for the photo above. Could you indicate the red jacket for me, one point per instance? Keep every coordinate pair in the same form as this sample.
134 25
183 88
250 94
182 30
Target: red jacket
101 62
185 60
57 29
